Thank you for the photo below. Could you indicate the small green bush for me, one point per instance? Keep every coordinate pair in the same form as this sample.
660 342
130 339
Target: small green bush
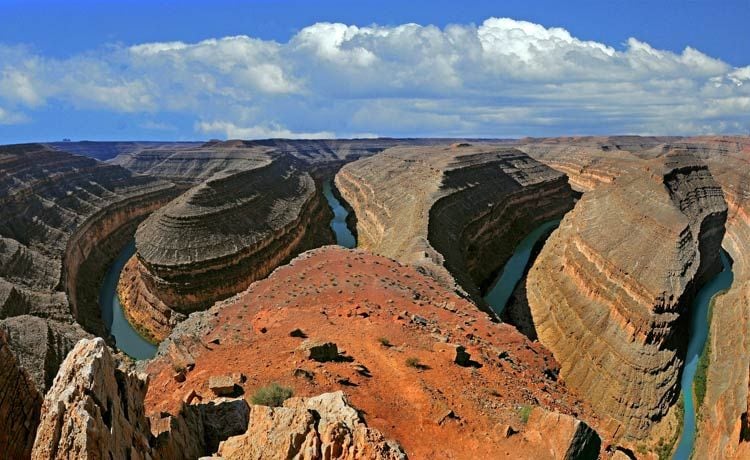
385 342
272 395
524 412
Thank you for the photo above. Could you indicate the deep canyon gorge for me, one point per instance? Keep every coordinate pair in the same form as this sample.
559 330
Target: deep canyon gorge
362 276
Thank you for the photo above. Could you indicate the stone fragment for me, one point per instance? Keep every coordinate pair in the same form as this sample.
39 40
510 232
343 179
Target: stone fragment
321 351
221 385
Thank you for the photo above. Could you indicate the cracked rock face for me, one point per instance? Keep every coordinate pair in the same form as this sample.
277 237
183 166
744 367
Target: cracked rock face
610 289
455 211
320 427
20 403
93 410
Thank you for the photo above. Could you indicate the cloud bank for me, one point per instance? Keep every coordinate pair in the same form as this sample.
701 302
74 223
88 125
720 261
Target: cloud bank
502 78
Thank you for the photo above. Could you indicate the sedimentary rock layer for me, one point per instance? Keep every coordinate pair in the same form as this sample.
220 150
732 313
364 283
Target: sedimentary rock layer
20 403
724 422
220 236
610 289
455 211
397 334
195 162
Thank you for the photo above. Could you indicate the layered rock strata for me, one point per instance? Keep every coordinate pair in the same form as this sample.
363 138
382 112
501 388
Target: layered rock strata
723 429
609 291
217 238
456 211
58 213
423 365
20 403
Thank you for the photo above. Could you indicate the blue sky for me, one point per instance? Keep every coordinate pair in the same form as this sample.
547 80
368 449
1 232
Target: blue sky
194 70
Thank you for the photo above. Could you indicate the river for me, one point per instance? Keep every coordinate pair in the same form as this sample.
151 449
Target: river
126 338
344 237
699 326
515 267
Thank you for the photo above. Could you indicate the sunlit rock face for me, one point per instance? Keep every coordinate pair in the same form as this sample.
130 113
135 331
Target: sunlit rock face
456 211
220 236
610 289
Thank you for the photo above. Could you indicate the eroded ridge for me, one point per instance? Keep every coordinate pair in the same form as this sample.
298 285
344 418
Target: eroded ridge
609 290
454 211
217 238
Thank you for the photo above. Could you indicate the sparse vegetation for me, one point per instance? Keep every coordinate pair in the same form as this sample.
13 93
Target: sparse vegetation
413 361
272 395
524 412
385 342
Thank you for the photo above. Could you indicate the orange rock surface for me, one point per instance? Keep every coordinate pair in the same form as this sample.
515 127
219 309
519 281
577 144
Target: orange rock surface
390 324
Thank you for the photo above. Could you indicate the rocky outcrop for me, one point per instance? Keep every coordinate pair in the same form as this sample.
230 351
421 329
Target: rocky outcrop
609 291
565 437
20 403
456 211
321 427
424 365
93 410
217 238
41 345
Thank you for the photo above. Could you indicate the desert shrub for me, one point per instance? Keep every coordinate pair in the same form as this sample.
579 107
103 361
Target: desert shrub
272 395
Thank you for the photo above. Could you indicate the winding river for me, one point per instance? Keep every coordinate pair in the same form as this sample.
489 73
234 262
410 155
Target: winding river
699 326
126 338
514 268
344 237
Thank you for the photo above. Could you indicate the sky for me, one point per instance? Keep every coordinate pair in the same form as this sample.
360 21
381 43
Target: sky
189 70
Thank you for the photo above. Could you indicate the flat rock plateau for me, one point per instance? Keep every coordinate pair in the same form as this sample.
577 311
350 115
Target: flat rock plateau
388 351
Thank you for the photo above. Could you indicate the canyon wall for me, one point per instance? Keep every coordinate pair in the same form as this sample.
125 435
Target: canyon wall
20 403
217 238
456 212
609 291
724 422
57 213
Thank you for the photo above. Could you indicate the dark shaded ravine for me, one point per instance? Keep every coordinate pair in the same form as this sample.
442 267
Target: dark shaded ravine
126 338
502 288
699 326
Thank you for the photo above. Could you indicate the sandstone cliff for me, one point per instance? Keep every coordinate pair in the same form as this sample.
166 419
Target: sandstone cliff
456 212
609 290
92 409
423 365
217 238
20 403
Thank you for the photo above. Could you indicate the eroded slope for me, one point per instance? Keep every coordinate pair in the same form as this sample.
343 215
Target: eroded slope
609 290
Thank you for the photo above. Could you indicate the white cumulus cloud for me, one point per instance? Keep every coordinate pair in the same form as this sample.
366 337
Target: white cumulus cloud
504 77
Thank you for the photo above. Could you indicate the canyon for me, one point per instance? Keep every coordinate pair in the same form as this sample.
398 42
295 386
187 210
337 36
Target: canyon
456 212
390 350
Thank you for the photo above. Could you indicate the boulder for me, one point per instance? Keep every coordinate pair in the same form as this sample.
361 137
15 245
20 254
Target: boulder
565 437
321 427
321 351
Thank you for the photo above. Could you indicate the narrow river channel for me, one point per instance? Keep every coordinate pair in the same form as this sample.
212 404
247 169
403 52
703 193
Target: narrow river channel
699 326
127 339
515 267
344 237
